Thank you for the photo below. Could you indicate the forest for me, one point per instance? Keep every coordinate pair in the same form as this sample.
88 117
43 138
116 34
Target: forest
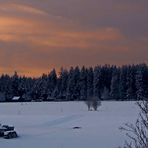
107 82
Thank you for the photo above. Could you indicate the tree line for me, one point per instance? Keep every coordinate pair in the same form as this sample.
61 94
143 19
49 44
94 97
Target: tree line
107 82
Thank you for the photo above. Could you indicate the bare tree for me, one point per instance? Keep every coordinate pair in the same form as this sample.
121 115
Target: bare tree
138 132
96 103
88 103
93 102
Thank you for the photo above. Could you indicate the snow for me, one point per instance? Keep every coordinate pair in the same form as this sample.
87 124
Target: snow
51 124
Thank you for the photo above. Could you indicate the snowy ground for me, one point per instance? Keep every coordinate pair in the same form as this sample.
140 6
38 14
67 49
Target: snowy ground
50 125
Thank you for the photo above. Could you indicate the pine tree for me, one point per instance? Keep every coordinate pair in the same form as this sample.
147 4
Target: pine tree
43 87
145 82
106 75
131 83
83 84
71 85
76 88
97 82
139 83
15 84
123 83
115 85
64 82
106 94
22 88
51 82
90 80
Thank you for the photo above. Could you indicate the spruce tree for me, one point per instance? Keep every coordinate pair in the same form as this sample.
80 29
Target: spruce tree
97 82
123 83
83 84
90 80
139 84
115 85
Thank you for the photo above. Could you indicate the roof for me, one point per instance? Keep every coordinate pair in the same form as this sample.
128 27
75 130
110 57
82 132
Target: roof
15 98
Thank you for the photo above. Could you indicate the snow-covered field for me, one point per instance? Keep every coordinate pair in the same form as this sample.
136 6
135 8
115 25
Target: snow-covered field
50 125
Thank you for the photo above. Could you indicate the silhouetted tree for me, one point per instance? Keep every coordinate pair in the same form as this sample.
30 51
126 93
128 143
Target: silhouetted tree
138 132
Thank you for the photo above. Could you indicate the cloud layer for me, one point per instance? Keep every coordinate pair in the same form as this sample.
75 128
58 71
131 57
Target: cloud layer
38 35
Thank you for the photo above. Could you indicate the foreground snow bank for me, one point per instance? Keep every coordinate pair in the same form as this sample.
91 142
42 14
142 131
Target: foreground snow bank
44 125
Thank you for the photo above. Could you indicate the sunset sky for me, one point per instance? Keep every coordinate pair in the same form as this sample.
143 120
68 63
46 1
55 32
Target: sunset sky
38 35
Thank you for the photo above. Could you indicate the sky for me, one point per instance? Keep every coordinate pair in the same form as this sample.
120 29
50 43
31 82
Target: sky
39 35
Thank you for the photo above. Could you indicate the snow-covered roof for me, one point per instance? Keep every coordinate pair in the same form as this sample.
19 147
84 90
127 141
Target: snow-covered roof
15 98
2 127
